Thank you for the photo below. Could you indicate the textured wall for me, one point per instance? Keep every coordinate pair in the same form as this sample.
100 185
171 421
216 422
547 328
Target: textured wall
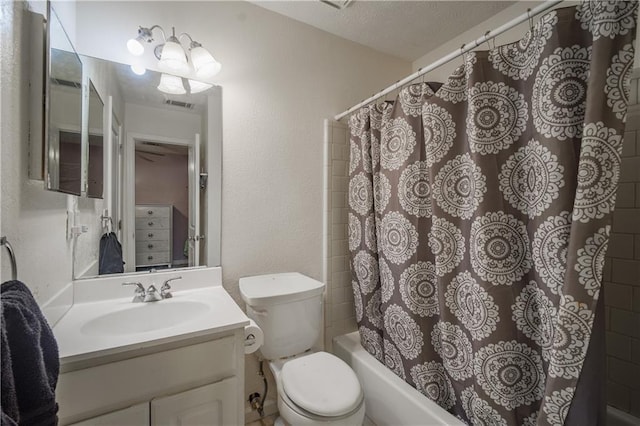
33 219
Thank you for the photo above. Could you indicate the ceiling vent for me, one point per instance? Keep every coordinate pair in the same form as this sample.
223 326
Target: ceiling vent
340 4
180 104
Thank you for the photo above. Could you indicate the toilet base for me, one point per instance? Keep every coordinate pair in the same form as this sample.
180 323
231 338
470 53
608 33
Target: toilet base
292 417
279 422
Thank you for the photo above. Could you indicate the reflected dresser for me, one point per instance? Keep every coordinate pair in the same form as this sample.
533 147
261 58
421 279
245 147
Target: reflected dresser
154 223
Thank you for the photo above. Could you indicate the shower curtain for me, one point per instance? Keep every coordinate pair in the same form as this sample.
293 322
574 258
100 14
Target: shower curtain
479 216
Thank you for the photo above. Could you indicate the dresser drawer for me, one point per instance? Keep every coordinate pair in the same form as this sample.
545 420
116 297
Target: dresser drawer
144 223
152 211
152 258
151 246
152 235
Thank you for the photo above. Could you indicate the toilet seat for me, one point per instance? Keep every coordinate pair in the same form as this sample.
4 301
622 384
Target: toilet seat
322 385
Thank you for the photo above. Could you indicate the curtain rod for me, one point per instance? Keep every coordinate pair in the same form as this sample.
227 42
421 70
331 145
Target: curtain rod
548 4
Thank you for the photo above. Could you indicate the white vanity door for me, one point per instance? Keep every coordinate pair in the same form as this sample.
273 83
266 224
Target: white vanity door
210 405
136 415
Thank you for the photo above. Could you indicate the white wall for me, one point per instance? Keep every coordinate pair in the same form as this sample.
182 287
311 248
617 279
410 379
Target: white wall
33 219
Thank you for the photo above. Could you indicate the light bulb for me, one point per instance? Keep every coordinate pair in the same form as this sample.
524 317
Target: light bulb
198 86
138 69
204 63
171 84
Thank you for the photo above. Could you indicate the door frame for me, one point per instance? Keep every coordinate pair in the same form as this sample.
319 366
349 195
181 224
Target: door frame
129 189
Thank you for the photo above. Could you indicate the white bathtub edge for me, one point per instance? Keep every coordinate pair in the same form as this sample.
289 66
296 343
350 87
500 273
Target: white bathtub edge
388 399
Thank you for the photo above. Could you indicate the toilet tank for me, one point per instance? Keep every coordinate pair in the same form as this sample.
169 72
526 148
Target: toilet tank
288 309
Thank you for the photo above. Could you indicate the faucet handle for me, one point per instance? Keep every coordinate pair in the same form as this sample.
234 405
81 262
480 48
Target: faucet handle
164 290
140 291
139 288
166 283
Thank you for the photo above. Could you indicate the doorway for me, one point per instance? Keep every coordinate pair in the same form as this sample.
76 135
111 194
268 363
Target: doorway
162 205
162 199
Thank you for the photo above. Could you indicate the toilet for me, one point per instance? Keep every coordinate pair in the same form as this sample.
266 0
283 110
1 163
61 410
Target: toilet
314 388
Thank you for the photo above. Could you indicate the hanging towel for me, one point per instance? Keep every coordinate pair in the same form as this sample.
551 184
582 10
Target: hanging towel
30 363
110 261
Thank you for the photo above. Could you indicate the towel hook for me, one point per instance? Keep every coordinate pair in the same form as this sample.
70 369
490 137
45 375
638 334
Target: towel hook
14 268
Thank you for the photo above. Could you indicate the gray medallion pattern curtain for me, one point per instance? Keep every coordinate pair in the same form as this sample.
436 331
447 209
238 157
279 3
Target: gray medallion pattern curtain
479 216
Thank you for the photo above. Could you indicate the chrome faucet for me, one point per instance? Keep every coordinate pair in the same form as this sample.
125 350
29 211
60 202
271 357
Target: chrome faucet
152 294
164 290
140 292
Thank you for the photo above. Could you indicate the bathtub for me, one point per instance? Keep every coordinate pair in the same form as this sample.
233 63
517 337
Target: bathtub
389 400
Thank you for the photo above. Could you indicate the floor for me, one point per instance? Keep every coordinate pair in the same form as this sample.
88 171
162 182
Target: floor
267 421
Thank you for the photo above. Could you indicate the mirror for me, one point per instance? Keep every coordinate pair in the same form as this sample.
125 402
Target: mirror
63 113
151 173
95 170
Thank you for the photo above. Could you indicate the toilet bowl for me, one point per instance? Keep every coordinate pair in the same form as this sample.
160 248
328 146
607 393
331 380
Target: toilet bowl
314 388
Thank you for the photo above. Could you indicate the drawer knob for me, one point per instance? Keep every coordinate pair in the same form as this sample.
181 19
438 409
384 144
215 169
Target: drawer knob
150 235
149 257
150 223
150 246
150 212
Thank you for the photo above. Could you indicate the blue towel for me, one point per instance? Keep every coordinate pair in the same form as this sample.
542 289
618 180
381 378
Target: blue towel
110 256
30 363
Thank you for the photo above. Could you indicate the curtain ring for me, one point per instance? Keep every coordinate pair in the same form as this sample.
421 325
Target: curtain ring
464 54
486 38
530 20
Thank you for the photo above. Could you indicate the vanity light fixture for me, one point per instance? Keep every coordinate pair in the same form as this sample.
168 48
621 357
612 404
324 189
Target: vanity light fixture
172 57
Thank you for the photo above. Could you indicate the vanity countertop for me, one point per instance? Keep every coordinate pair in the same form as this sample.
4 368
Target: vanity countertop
98 329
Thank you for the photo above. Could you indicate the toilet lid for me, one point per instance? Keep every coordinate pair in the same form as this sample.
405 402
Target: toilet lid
322 384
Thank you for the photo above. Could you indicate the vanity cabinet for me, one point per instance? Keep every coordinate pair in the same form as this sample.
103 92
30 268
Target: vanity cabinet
154 235
211 405
133 416
196 384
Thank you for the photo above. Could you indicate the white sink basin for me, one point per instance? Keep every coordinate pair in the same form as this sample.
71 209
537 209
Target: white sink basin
145 317
100 327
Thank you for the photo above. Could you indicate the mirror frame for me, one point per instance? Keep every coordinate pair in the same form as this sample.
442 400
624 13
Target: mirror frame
47 145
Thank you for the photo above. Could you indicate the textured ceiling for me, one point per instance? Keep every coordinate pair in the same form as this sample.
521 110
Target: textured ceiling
405 29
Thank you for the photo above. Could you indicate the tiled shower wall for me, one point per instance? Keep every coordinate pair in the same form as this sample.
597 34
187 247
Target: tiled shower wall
339 308
622 274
